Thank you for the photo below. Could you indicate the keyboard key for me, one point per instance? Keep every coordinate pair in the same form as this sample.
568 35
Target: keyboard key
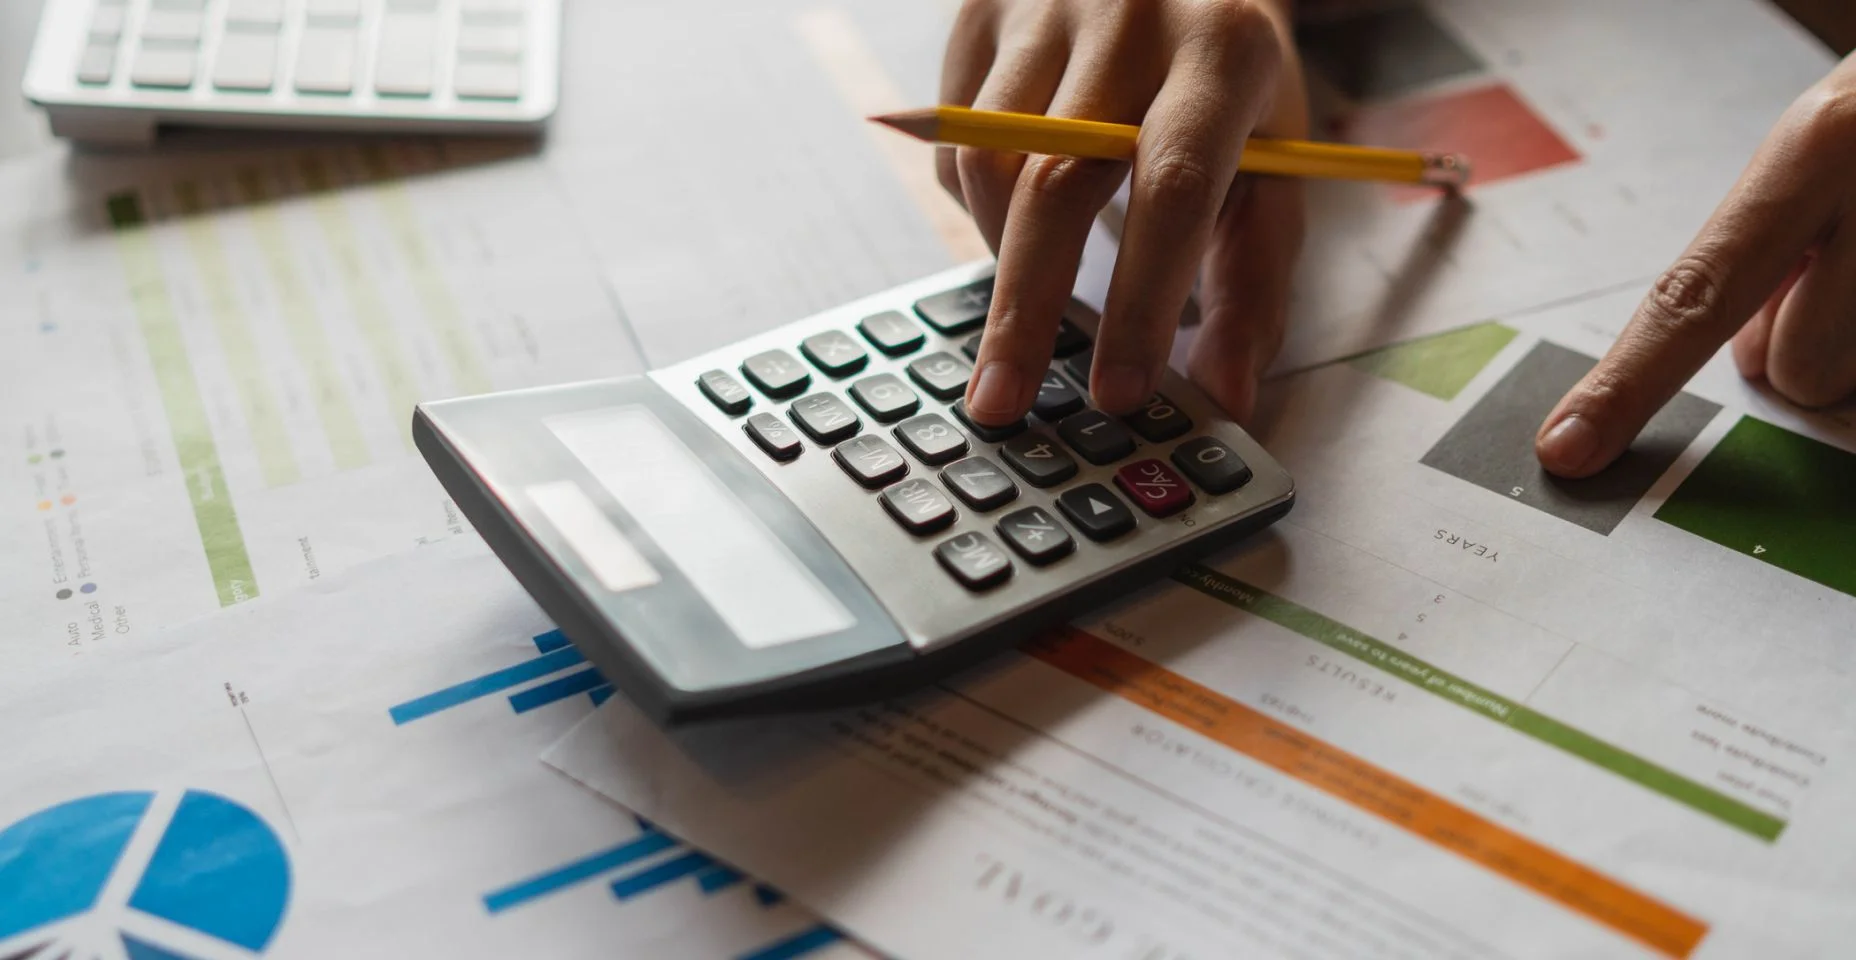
980 483
1056 399
1070 339
1038 458
1078 367
164 67
885 397
834 352
502 10
943 375
255 14
959 310
247 61
725 392
500 41
1036 535
776 373
773 436
892 333
871 461
173 26
932 439
918 506
1159 421
97 64
406 58
487 80
1152 484
106 23
1099 514
332 11
1215 467
974 560
325 60
986 432
825 418
1097 436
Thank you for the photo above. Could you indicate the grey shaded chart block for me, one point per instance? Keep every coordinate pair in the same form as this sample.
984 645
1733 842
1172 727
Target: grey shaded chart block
1493 445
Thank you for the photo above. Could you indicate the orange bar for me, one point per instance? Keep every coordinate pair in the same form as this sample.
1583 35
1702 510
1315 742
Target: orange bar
1573 885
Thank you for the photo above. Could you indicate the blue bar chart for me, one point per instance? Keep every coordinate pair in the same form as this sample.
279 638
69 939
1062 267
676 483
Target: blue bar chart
554 657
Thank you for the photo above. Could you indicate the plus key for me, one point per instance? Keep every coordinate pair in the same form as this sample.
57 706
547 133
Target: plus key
1152 484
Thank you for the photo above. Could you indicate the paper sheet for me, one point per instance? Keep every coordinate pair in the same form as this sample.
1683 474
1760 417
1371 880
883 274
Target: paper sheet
1448 707
347 771
211 362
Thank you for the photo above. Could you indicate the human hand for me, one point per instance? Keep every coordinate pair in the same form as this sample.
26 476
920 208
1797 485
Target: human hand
1198 76
1775 269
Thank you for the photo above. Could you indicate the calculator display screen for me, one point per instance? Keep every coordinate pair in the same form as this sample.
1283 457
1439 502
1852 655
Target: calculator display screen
739 567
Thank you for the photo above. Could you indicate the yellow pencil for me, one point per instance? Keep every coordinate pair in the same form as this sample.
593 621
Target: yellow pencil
1059 136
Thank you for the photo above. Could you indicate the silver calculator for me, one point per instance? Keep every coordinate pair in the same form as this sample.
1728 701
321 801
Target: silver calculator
807 518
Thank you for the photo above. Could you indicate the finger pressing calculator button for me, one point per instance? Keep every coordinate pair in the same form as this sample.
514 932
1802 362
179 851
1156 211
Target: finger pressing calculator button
918 506
885 397
1097 436
974 560
959 310
990 434
1056 398
1039 459
773 436
871 461
932 439
1159 420
980 483
1099 514
943 375
1212 465
776 373
834 352
725 392
1036 535
1152 484
1078 366
825 418
892 333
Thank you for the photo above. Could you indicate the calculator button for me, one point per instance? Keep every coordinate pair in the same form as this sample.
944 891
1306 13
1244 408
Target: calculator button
1159 420
406 55
486 40
341 11
931 438
1155 486
1056 399
1036 535
172 25
871 461
476 79
971 347
825 418
325 60
725 392
246 61
990 434
1098 513
885 397
834 352
1070 339
106 23
974 560
165 67
892 333
260 14
1039 459
1097 436
959 310
918 506
943 375
98 63
773 436
776 373
980 483
1078 367
1212 465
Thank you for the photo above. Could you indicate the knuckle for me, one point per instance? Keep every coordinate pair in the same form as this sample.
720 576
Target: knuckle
1178 183
1240 31
1128 18
983 168
1688 296
1052 178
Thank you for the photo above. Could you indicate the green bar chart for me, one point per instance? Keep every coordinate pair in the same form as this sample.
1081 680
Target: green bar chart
1440 365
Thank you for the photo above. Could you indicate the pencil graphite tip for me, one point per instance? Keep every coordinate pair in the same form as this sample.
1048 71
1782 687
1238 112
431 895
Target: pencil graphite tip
920 124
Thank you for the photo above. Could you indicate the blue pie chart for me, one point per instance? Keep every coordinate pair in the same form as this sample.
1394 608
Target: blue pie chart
213 868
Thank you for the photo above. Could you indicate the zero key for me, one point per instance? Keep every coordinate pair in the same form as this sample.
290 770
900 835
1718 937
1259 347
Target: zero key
1208 462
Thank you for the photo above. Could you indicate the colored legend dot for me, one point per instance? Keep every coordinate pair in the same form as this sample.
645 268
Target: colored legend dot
64 594
88 588
45 504
68 499
57 454
35 458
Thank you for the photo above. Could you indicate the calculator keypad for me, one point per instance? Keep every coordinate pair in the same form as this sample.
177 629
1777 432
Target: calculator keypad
776 373
1159 421
871 461
918 505
987 432
974 560
1056 399
958 310
1154 486
885 397
980 483
932 439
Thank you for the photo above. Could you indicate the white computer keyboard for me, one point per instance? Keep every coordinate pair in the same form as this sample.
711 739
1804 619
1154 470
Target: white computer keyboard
117 70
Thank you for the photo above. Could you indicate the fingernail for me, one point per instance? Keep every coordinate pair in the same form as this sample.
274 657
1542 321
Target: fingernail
1123 386
1570 445
994 397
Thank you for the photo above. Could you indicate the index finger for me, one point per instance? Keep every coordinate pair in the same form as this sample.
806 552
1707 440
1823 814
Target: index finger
1222 77
1748 246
